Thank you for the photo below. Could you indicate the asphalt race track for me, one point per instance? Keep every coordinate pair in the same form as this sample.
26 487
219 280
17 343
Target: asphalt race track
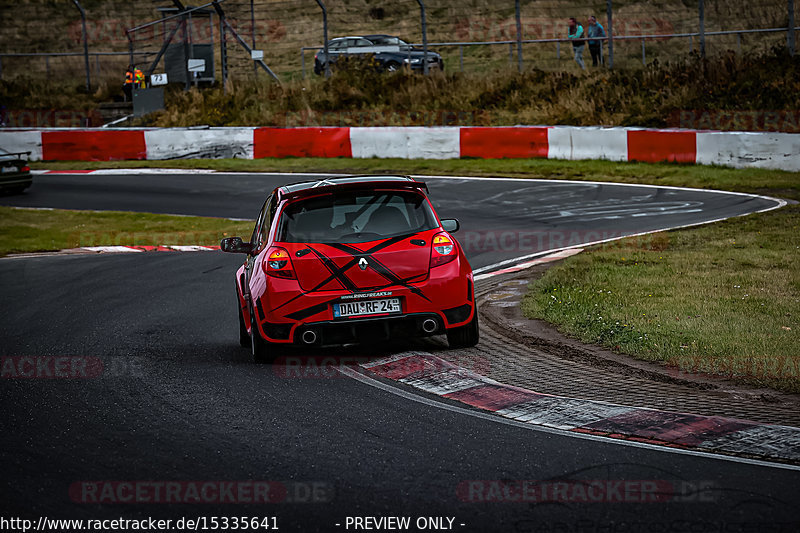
177 400
500 219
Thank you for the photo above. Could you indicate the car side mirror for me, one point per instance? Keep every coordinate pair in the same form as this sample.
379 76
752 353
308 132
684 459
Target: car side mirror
451 225
235 245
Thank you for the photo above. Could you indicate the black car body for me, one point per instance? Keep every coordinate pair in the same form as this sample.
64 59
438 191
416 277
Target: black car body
15 174
390 52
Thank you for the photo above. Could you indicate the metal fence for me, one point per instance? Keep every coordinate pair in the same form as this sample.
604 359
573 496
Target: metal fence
478 36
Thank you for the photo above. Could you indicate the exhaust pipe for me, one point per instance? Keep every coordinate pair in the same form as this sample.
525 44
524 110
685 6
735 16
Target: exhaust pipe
429 325
309 337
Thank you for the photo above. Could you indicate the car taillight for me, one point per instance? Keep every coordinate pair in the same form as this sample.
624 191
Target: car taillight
278 264
444 250
26 168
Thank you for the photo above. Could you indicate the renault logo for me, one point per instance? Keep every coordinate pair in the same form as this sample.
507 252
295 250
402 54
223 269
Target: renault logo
362 263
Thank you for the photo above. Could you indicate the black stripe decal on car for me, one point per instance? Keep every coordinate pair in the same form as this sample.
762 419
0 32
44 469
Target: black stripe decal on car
350 264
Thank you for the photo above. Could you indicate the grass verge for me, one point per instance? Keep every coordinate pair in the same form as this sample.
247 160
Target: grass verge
721 299
35 230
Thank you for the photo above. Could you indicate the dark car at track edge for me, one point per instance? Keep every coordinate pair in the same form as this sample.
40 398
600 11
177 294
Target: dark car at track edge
15 174
390 53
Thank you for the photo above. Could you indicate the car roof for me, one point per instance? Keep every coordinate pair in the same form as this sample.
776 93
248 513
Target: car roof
369 37
304 188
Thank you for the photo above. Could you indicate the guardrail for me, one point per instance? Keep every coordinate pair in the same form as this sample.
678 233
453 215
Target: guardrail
726 148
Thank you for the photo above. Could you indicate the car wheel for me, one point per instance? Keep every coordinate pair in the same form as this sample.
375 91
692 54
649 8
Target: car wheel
244 337
392 66
464 336
11 191
258 346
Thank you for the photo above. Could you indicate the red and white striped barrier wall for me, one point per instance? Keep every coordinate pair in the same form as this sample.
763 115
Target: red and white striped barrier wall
734 149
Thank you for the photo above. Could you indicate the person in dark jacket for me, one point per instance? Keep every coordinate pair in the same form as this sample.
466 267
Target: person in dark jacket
575 33
594 29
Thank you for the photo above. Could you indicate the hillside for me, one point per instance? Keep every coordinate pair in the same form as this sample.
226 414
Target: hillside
676 88
282 27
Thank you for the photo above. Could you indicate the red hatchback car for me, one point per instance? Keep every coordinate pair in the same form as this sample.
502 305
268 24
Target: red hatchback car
355 259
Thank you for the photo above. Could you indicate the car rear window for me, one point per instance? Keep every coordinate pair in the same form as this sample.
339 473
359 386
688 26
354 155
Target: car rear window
353 217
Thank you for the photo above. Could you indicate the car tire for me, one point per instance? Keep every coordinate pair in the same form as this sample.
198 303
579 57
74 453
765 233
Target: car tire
259 348
244 337
13 191
392 66
465 336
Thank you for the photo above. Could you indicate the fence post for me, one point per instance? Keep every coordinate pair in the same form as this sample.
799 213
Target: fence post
790 34
223 51
461 57
85 44
701 8
519 37
325 37
644 57
187 52
424 37
253 31
610 32
303 63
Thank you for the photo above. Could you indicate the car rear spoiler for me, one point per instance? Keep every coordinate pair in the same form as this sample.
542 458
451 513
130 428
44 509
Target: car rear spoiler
10 154
323 188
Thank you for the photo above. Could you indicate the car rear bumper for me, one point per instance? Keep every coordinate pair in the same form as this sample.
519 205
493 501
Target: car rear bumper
15 181
446 297
364 330
432 65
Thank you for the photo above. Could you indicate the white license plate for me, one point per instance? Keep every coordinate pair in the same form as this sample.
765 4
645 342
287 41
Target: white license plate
366 307
8 169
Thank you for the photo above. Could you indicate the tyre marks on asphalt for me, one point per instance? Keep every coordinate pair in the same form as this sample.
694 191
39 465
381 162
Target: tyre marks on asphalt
716 434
